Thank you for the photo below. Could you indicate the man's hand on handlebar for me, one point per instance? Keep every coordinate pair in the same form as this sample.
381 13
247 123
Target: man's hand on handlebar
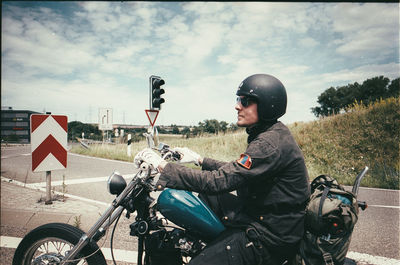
188 156
151 158
154 160
179 154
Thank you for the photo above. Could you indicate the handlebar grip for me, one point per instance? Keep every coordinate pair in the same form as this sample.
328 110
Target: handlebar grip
177 155
144 166
362 205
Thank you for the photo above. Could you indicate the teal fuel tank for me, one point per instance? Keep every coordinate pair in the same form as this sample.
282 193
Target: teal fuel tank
188 211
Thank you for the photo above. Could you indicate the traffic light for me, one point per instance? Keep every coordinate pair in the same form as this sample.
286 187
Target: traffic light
156 91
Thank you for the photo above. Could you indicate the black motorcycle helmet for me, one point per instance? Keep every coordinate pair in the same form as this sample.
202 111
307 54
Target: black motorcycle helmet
269 93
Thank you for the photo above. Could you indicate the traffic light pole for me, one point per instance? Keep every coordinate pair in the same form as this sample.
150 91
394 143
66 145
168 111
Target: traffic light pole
155 92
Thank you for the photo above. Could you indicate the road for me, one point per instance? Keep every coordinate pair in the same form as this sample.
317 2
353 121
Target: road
376 233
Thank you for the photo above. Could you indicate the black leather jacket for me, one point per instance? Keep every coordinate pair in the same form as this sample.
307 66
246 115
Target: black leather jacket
273 188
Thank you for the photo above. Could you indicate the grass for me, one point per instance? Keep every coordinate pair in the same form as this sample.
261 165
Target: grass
222 147
343 144
340 145
77 221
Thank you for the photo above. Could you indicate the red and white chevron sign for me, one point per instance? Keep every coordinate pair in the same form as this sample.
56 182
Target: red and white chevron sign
49 142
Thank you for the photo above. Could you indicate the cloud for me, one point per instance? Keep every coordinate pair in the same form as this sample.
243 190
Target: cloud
376 40
349 17
101 54
309 42
366 29
38 46
362 73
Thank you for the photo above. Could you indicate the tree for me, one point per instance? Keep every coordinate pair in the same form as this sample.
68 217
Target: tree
223 125
186 132
233 127
76 128
394 88
211 126
201 128
329 101
334 100
175 129
197 130
373 89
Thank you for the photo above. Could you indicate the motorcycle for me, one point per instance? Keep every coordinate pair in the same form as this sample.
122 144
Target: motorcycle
195 225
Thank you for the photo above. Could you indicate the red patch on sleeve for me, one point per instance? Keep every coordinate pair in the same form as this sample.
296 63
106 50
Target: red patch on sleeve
244 161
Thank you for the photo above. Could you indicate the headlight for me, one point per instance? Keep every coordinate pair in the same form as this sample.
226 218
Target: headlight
116 183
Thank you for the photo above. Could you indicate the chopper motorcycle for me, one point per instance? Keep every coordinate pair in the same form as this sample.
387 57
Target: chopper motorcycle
159 242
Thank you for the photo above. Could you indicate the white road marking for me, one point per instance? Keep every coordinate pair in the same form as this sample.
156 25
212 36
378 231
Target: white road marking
369 259
119 254
16 155
131 256
104 159
81 181
9 241
377 189
42 186
73 154
34 186
385 206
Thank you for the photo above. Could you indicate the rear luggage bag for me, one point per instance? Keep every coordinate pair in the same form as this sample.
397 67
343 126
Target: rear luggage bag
331 215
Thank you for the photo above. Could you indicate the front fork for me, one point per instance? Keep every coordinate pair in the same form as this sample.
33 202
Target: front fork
100 227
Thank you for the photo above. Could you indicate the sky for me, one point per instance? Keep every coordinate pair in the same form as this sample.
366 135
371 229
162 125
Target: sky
73 58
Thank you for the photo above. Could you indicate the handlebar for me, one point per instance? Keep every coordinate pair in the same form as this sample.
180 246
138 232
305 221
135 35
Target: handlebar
358 181
147 172
167 153
361 204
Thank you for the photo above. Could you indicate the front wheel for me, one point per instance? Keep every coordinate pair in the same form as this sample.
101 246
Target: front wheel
49 244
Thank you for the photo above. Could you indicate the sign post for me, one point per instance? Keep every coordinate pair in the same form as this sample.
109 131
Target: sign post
48 145
48 188
105 120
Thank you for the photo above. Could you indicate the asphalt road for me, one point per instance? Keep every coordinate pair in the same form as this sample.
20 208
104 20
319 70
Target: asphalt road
376 233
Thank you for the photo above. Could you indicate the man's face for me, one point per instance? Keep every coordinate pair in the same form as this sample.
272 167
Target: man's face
247 115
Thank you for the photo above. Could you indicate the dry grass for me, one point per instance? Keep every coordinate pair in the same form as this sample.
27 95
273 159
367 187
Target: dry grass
222 147
343 144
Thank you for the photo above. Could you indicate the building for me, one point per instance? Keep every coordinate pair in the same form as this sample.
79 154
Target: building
15 125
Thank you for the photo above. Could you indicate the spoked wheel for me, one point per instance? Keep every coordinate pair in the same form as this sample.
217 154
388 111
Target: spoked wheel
50 243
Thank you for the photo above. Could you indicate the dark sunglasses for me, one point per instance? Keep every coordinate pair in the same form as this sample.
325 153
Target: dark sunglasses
245 101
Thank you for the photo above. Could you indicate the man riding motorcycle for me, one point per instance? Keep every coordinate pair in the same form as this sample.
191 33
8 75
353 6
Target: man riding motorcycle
265 218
